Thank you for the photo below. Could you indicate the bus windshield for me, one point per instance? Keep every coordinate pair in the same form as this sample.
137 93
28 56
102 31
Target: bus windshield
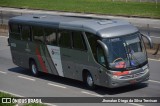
126 52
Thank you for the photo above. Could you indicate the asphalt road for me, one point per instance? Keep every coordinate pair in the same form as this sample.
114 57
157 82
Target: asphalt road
19 81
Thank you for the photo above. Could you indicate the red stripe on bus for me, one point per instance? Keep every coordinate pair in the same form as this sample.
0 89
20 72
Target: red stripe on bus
41 61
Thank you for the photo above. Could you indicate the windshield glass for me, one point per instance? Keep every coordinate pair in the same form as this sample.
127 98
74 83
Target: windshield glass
126 51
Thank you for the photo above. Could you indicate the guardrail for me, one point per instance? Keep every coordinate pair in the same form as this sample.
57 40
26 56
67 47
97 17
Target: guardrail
5 16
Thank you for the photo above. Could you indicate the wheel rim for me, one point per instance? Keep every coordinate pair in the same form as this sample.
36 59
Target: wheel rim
89 80
34 69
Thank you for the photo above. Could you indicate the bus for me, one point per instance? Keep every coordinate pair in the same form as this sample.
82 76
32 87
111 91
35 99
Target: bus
104 52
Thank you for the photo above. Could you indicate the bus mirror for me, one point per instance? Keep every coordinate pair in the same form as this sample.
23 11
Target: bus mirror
105 48
149 40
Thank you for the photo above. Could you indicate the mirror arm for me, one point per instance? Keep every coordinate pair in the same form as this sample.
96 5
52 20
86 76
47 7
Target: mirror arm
104 47
149 39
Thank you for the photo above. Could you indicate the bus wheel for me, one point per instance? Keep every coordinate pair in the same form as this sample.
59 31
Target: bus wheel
33 68
89 81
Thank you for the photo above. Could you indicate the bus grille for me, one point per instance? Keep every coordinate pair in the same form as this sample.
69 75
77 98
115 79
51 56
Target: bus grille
132 76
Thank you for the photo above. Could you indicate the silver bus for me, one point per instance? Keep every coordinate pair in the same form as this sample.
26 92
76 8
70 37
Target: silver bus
105 52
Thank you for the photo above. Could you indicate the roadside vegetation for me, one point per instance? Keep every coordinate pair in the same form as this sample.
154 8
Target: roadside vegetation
6 95
142 9
2 94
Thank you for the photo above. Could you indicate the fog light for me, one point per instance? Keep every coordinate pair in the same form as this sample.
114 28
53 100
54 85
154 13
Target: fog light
115 77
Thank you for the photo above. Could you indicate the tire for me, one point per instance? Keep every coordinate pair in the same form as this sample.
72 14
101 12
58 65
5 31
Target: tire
89 81
34 69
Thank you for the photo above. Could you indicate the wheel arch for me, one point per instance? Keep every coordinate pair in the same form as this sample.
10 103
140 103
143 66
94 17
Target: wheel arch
84 73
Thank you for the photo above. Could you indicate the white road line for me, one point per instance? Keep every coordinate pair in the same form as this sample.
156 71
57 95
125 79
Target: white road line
56 85
26 78
153 59
48 104
11 93
155 37
154 81
91 94
156 27
135 104
3 72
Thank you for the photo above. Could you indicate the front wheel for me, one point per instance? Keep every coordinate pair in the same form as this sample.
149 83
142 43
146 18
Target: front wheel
33 68
89 81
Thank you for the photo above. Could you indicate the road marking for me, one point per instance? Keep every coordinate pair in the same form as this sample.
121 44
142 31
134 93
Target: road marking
48 104
135 104
3 72
56 85
154 81
11 93
26 78
91 94
154 37
153 59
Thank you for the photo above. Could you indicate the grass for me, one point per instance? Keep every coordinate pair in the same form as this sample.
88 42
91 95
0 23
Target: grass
2 94
6 95
143 9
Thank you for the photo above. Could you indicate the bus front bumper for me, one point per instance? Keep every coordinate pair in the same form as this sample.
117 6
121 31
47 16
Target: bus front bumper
128 79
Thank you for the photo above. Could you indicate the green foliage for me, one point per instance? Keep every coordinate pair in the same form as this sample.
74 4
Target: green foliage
143 9
6 95
12 104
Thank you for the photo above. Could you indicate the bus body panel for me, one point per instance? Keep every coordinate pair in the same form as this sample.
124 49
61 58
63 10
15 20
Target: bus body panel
70 62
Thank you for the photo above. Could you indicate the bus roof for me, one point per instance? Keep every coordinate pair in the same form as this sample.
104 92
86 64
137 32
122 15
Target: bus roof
101 27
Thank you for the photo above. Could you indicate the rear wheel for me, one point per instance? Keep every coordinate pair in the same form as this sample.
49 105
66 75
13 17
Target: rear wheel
89 80
33 68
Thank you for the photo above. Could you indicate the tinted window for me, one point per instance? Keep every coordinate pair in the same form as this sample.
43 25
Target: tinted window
78 41
93 43
38 34
65 39
26 33
97 50
15 31
14 28
100 56
50 36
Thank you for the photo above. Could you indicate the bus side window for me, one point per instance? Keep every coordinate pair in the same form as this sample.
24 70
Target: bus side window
65 39
15 31
78 41
38 34
26 34
50 36
93 43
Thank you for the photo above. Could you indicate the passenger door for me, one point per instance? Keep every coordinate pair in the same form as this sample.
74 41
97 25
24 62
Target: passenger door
64 41
79 54
52 51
